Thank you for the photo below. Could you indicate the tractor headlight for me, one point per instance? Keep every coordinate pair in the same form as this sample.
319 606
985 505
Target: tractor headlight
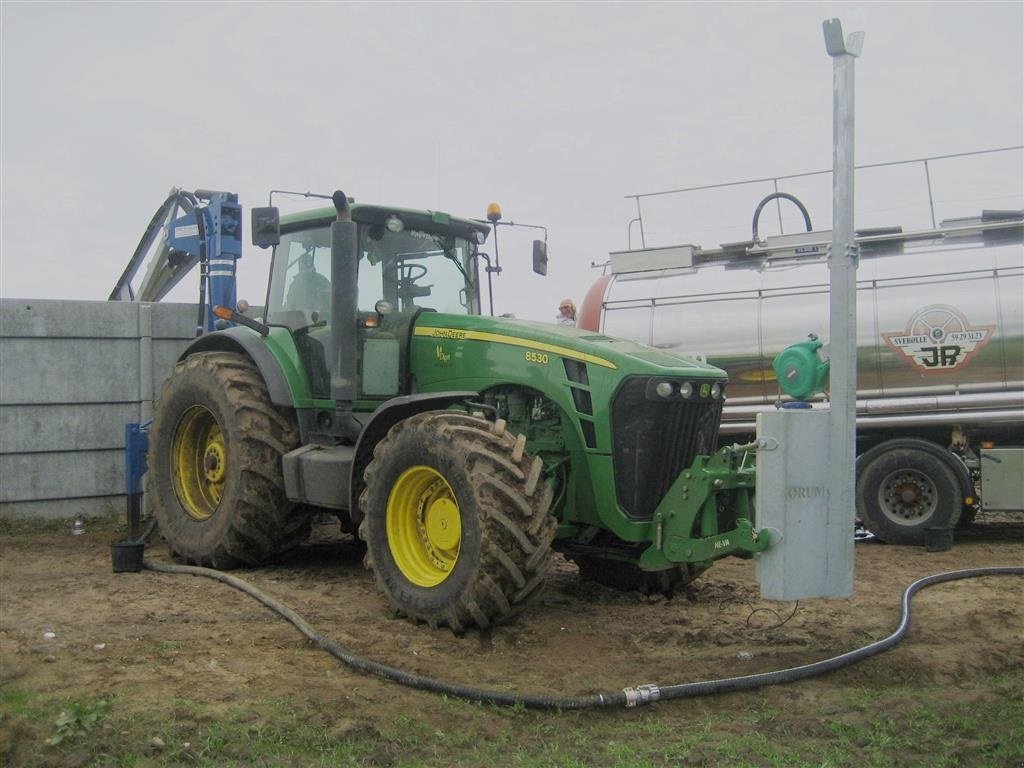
665 389
716 390
481 237
686 389
394 224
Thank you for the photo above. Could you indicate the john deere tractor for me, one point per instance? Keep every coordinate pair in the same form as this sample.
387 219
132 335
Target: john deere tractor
462 449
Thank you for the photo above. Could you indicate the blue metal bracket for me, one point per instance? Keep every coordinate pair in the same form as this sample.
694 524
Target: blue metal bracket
213 233
136 446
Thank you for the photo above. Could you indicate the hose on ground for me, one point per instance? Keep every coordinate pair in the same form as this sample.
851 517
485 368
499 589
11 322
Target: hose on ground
148 532
628 697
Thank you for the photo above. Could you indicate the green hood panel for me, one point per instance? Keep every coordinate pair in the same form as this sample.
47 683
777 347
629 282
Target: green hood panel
511 335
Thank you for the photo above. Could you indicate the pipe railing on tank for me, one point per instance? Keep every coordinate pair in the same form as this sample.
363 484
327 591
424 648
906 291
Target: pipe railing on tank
867 422
1011 391
945 403
774 180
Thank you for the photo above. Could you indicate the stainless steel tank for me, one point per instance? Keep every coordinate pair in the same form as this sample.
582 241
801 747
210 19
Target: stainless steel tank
940 318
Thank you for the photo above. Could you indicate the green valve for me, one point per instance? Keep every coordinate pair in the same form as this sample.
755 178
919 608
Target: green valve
801 373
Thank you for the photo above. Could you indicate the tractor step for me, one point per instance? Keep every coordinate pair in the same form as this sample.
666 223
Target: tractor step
319 475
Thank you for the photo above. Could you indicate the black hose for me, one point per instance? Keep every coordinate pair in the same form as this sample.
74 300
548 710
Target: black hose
628 697
779 196
150 527
687 690
391 673
204 271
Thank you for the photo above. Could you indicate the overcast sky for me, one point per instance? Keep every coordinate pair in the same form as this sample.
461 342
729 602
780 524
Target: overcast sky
556 110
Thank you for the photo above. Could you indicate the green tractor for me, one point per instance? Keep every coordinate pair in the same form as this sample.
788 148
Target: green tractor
464 450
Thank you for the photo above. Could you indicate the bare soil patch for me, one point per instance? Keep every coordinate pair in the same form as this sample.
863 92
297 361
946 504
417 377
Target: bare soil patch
153 639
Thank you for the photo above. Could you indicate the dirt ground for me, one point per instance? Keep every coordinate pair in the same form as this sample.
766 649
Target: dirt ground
158 637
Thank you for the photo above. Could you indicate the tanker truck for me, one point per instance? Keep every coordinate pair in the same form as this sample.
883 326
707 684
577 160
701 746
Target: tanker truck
940 351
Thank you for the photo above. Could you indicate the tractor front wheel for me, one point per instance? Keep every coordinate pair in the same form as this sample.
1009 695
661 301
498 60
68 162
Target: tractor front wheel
215 480
455 518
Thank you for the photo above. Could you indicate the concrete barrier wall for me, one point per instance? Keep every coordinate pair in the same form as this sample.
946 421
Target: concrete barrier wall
72 374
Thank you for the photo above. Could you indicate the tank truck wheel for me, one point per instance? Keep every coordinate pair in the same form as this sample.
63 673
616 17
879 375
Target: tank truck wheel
902 491
456 520
215 478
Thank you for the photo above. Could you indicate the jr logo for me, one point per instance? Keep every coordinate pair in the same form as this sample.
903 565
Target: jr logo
944 357
442 356
939 338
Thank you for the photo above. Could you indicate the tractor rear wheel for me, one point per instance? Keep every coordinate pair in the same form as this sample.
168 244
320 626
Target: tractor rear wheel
455 519
215 479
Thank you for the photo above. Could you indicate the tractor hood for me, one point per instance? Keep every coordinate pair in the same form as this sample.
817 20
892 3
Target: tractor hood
508 336
609 393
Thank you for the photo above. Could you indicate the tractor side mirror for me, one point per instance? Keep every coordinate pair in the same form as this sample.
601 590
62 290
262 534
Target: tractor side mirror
266 227
540 257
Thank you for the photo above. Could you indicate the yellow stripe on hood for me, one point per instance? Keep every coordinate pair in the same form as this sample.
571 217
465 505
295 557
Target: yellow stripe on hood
461 334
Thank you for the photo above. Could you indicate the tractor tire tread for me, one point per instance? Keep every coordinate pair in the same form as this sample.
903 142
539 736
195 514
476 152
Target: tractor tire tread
262 523
516 530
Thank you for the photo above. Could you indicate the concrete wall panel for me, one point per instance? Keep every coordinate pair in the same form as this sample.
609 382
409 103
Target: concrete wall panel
34 429
173 321
65 370
63 509
72 374
68 319
35 476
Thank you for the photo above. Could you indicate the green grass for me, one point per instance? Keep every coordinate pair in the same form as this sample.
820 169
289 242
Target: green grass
991 733
878 728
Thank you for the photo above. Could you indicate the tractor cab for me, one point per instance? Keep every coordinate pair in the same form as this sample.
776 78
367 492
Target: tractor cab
406 262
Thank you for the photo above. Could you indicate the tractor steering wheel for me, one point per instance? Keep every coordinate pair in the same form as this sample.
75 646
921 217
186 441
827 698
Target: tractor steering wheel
408 289
410 273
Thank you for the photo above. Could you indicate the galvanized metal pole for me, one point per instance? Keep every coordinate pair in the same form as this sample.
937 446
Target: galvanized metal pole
842 263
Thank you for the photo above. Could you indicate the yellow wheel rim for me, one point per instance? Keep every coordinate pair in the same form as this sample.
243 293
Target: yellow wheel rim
424 526
200 462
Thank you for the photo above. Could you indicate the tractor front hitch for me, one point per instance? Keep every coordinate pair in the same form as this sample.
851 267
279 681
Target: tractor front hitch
707 513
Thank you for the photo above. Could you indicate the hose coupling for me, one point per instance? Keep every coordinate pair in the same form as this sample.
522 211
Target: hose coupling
642 694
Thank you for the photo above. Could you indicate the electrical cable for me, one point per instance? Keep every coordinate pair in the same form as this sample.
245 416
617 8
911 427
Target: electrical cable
628 697
778 618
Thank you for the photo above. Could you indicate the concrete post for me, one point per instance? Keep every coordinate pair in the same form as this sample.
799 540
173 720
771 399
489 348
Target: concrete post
145 362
